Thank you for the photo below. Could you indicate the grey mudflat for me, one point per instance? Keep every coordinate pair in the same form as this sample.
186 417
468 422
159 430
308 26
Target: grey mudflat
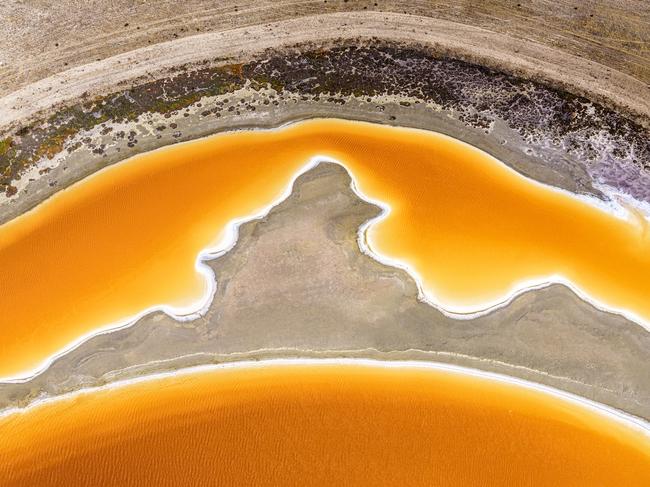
297 285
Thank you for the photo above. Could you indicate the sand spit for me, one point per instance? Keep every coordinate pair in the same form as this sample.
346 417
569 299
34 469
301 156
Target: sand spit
352 305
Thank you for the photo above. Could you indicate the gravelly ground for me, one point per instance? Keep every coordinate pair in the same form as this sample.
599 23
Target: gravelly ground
351 305
558 138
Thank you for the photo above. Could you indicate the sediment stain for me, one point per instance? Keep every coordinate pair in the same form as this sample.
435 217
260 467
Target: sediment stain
320 424
474 231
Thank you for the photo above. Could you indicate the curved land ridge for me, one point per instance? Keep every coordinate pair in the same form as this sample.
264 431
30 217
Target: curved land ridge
328 299
47 39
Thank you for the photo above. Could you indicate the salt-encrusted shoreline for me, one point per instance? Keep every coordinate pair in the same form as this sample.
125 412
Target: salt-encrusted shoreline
604 411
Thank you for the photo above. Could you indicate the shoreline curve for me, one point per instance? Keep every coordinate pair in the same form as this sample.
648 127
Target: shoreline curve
625 419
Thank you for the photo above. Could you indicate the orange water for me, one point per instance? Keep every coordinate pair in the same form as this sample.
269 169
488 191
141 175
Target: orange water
282 425
127 238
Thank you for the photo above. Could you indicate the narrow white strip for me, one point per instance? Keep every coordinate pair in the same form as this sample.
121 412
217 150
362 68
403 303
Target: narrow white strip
620 417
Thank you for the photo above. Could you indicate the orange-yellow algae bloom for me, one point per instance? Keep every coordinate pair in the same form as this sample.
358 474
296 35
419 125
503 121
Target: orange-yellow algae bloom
127 238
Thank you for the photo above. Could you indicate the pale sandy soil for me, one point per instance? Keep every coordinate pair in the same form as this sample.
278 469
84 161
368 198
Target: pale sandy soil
36 76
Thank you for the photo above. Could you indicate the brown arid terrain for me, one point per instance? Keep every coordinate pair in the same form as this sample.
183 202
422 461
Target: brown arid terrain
560 91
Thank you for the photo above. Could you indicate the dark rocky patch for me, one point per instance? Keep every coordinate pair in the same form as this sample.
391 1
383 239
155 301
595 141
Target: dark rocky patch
477 96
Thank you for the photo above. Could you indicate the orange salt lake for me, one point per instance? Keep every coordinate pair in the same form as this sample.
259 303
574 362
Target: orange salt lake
319 425
127 238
